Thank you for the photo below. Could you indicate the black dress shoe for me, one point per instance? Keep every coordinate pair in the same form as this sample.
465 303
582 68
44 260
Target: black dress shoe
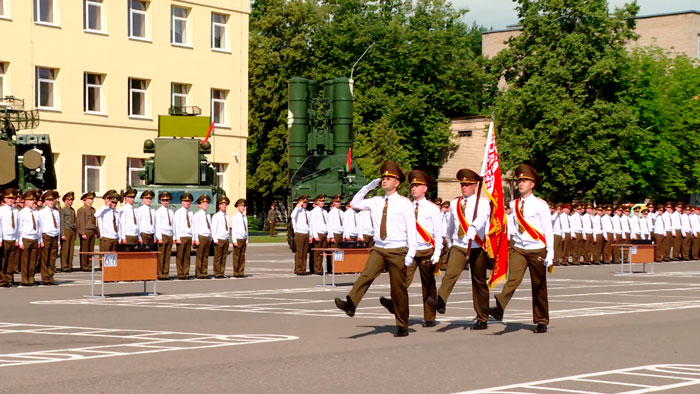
387 303
5 285
496 313
429 323
401 332
480 325
540 329
440 307
347 306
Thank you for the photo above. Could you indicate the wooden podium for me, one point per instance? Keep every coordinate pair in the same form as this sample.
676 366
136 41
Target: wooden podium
638 253
123 267
345 261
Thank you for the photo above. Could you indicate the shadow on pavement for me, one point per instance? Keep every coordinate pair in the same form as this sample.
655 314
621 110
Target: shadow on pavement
513 327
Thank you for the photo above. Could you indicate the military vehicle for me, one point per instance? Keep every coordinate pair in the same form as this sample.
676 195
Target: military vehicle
178 163
26 160
320 138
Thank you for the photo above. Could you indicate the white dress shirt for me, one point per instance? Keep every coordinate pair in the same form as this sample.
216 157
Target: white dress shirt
108 222
617 225
220 227
300 220
676 221
666 217
366 226
183 223
350 223
47 222
685 225
129 222
625 224
165 223
318 222
146 217
694 224
635 230
512 225
29 228
556 223
587 222
536 213
644 226
429 217
660 226
650 221
576 224
9 232
201 225
400 220
596 224
335 221
478 225
564 222
239 226
607 225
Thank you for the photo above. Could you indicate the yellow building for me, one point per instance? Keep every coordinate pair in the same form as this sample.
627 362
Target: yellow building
101 71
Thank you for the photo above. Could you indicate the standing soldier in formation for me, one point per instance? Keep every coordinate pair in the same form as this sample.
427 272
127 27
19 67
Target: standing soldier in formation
695 230
302 237
366 228
10 237
221 232
146 218
466 230
165 231
686 231
566 233
576 235
272 219
50 236
617 228
68 230
239 233
644 229
394 248
108 222
183 236
533 249
670 233
87 230
30 237
335 221
350 220
598 236
677 234
608 234
659 237
588 238
319 231
557 231
129 223
429 228
201 234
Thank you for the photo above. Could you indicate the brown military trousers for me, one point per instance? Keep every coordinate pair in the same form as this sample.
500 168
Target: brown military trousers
587 248
182 257
477 264
220 252
49 253
695 247
557 248
67 250
393 261
9 260
519 261
608 248
239 258
577 249
597 247
422 263
676 243
165 249
317 254
301 241
369 239
87 245
202 257
667 245
147 239
566 245
658 247
28 259
685 246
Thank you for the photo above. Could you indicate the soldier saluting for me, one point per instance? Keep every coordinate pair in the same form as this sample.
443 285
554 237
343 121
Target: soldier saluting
532 249
394 244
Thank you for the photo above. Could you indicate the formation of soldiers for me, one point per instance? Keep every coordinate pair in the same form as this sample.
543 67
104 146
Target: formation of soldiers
588 234
34 231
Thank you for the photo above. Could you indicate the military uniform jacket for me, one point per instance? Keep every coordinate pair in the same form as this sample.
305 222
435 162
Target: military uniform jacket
68 219
86 220
271 215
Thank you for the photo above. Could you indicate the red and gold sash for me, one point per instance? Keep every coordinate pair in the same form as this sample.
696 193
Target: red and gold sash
425 235
463 222
536 235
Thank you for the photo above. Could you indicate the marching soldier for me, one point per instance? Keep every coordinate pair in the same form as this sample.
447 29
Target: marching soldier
533 249
429 228
687 232
350 220
467 227
302 237
30 236
108 222
239 232
319 231
146 218
272 219
68 231
182 235
394 248
335 221
164 232
9 234
576 235
201 234
221 232
87 230
129 225
50 236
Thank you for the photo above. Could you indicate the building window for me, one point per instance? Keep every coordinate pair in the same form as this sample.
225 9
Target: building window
2 8
93 93
221 174
45 87
179 93
2 79
92 15
464 133
218 31
178 28
44 11
218 106
137 96
133 167
137 19
92 173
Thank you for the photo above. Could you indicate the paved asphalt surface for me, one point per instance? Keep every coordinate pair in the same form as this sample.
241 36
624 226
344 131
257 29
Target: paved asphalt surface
274 332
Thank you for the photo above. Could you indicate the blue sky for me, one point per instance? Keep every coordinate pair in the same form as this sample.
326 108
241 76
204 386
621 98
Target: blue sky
498 14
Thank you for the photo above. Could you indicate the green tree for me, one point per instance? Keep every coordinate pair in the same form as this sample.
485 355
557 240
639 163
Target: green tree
563 110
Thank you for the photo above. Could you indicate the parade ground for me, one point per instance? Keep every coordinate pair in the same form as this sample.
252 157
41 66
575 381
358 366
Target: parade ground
275 332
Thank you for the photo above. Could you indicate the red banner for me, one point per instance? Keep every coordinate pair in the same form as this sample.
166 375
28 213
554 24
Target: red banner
497 237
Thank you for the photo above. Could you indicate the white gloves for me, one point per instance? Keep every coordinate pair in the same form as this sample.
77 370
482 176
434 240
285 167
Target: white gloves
548 263
408 261
373 184
434 260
